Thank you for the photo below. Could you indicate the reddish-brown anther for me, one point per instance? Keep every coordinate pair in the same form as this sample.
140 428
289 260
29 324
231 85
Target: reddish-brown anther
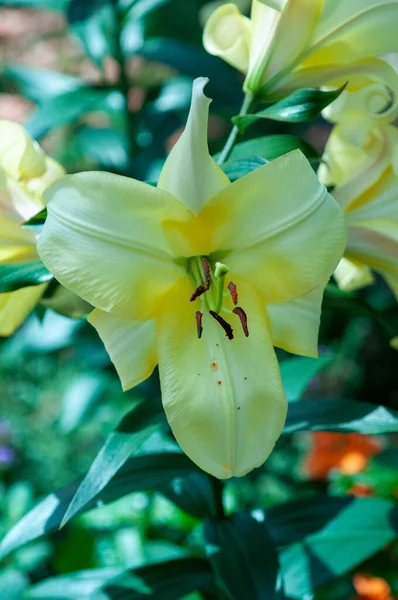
207 272
201 289
243 319
229 332
199 326
234 292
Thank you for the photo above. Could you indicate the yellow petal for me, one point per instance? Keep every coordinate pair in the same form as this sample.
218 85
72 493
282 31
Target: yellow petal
355 74
20 156
357 153
16 306
357 28
14 241
227 34
295 29
377 251
105 239
379 99
223 398
278 229
351 275
377 207
53 172
295 324
265 17
130 345
189 173
16 203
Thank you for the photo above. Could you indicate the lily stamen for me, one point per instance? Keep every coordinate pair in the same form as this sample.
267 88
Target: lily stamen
243 319
199 326
201 289
207 272
229 332
234 292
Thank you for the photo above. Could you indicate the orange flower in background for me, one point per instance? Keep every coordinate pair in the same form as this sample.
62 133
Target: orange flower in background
348 452
361 490
371 588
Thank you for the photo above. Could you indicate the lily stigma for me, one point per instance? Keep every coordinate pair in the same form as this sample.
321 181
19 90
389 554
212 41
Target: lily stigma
201 276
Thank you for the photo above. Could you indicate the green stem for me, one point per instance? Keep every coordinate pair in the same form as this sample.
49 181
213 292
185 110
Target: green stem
248 102
218 487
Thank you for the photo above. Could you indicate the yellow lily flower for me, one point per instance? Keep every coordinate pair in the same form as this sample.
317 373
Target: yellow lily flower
181 274
361 160
293 44
25 171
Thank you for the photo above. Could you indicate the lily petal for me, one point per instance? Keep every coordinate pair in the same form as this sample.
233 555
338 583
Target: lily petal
15 202
53 172
295 324
190 156
379 252
280 217
355 29
356 154
227 34
295 29
377 207
356 75
351 275
15 243
16 306
223 398
20 156
130 345
105 238
265 17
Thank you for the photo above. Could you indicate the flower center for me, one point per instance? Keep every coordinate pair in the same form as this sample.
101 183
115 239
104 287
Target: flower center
210 289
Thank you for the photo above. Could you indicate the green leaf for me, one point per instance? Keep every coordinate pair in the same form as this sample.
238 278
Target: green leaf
235 169
298 372
69 107
195 493
82 585
43 4
14 276
166 580
106 146
301 105
81 393
243 556
191 60
123 443
271 147
13 583
146 472
141 8
292 521
360 530
40 84
340 415
37 220
93 21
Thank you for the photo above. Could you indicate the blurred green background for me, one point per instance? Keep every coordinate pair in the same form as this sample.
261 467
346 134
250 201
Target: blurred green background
107 85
